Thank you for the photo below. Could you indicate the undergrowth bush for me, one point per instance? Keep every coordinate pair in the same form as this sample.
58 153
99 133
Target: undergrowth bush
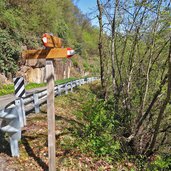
9 53
162 162
98 135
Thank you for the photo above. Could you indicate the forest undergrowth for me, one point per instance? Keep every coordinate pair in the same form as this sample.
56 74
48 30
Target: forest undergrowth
87 138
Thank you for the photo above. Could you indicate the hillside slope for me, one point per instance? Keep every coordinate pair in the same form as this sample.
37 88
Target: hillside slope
33 145
23 23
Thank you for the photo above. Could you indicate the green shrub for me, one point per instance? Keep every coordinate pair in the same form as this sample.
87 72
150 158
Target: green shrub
9 53
65 80
75 62
98 134
86 66
162 162
6 89
34 85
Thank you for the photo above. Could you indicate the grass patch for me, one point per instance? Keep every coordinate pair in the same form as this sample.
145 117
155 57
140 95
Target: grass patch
65 80
34 85
6 89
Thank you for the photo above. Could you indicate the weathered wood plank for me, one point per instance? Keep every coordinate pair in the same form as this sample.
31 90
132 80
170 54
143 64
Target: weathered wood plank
51 41
45 53
51 115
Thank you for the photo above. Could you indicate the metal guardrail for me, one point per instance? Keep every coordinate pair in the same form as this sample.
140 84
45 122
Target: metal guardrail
13 116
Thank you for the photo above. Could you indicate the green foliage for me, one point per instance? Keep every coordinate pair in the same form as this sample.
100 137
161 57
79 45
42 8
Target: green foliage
65 80
22 24
12 19
78 48
140 64
75 62
6 89
86 66
34 85
9 53
9 89
90 40
62 29
161 163
98 134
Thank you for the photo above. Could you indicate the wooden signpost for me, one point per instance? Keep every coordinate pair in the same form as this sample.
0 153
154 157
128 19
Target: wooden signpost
51 41
53 50
49 53
51 115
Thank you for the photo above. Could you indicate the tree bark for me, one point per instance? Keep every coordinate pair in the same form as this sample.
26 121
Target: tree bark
100 47
113 47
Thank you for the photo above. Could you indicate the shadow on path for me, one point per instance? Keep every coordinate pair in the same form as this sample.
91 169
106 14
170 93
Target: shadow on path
72 121
5 145
31 153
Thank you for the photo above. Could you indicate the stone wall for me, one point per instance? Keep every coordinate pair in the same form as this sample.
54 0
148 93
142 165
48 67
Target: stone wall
36 75
34 70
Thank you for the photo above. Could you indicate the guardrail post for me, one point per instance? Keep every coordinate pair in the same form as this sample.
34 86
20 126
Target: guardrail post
59 90
14 147
76 83
83 81
19 87
11 125
79 83
21 111
66 88
71 86
36 103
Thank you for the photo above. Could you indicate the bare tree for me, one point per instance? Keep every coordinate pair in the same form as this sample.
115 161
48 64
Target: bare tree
163 107
101 48
138 45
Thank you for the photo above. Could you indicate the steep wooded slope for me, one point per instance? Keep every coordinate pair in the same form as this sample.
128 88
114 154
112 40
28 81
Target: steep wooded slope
22 24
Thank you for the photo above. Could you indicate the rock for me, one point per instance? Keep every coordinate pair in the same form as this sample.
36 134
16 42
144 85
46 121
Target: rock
34 70
62 69
4 80
35 63
86 74
36 75
59 69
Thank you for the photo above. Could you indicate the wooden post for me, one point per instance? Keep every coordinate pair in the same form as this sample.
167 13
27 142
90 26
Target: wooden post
53 50
51 115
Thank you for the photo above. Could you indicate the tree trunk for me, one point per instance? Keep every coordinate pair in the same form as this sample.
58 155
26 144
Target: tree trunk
115 92
100 47
163 107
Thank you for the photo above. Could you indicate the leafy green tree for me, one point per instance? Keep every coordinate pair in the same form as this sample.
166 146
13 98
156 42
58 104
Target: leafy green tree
139 34
9 53
25 22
